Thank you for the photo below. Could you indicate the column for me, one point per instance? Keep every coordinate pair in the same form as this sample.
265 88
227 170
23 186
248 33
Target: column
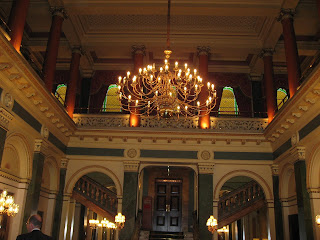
291 50
303 199
315 203
277 203
5 118
77 222
70 219
129 201
257 99
203 53
64 223
138 53
73 80
50 59
33 194
89 229
59 199
85 91
205 204
268 83
239 229
17 20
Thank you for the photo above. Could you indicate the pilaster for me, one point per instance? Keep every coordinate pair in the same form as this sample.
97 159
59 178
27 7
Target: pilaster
303 199
59 199
206 197
277 203
5 118
129 201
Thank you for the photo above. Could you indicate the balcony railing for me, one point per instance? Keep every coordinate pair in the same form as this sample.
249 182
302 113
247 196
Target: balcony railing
218 124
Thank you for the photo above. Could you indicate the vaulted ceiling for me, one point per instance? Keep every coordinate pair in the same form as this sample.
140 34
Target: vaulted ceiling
235 31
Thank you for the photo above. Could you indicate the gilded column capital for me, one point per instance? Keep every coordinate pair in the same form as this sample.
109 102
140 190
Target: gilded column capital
203 50
206 168
77 49
285 14
275 169
59 11
266 52
138 49
131 166
40 146
5 118
298 153
64 163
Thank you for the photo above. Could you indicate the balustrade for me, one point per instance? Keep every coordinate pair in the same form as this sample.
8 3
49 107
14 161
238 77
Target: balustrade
239 199
97 193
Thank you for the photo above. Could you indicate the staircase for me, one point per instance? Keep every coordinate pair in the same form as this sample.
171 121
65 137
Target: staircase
165 235
239 203
95 196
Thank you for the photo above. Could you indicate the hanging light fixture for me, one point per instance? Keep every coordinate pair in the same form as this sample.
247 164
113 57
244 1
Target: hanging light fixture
166 93
318 220
7 205
120 220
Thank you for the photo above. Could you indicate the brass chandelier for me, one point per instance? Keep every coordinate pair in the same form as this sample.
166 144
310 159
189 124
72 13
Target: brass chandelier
166 93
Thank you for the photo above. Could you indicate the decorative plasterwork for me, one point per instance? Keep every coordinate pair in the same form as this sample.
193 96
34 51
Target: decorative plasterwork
64 163
275 169
5 118
205 155
131 166
206 168
132 153
40 146
15 70
298 154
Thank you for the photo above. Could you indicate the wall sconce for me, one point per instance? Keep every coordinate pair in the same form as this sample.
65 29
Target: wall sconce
318 220
223 230
212 224
7 205
120 220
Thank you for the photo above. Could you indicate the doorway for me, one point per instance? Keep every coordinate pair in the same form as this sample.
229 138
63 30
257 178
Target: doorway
168 210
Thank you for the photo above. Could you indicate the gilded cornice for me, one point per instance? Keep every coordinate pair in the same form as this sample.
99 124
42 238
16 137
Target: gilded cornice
26 86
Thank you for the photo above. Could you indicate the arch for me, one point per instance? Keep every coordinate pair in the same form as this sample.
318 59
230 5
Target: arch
313 168
266 188
22 148
51 166
94 168
228 103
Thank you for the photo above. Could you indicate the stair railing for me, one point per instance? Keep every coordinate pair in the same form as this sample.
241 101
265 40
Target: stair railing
97 193
239 199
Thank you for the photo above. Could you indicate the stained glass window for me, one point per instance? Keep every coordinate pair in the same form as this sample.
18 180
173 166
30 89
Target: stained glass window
111 102
282 97
61 93
228 104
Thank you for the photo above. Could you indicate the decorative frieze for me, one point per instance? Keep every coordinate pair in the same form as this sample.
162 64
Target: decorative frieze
131 166
205 155
132 153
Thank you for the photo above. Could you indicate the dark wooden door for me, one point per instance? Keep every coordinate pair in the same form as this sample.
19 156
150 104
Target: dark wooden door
167 211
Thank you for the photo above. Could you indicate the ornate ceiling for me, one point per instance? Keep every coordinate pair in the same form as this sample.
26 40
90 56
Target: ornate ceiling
235 31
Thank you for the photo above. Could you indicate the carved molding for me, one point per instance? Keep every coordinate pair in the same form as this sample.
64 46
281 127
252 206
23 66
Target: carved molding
5 118
295 139
206 168
131 166
132 153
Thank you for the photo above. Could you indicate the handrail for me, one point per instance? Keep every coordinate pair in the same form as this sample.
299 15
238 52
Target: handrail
239 199
97 193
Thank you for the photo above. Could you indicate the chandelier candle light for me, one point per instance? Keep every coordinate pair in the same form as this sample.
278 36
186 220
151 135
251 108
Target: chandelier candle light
7 205
166 92
212 224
